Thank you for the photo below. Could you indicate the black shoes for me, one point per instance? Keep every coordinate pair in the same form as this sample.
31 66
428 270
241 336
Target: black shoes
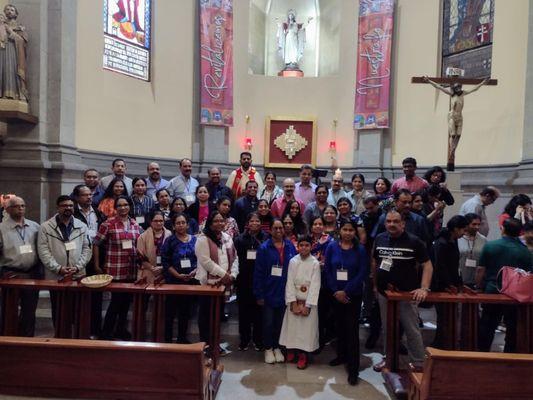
336 361
353 379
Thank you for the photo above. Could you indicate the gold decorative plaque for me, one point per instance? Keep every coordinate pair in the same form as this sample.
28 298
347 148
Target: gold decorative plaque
291 142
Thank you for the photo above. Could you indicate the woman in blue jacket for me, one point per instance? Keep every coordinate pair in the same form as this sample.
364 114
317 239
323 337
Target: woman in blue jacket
346 265
179 267
270 277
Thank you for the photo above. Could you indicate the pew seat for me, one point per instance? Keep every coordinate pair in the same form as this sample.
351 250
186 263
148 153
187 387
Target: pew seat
104 369
472 375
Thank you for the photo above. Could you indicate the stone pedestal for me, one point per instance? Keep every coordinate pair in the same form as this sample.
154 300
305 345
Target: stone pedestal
453 182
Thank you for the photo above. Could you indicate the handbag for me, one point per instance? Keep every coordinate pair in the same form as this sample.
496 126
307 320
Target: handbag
517 284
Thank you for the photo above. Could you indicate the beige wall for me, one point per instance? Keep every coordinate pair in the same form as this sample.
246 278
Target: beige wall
326 98
119 114
493 116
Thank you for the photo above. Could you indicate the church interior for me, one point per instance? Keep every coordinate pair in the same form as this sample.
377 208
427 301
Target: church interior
347 89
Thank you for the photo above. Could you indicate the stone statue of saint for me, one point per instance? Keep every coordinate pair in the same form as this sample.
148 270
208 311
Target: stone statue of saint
455 115
291 40
13 42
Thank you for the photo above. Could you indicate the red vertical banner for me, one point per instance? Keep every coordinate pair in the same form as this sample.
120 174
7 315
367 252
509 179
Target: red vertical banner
372 91
216 62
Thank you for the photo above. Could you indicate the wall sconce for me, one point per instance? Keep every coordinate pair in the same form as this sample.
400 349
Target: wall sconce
247 139
333 141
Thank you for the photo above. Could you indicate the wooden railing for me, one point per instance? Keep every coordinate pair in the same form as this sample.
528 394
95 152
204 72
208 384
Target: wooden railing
73 307
470 309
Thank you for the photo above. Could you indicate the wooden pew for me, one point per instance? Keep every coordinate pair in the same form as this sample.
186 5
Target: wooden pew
470 303
472 375
78 368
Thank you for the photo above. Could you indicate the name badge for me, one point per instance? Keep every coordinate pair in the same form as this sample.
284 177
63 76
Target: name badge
69 246
140 220
158 260
251 254
127 244
276 270
342 275
185 263
386 264
190 198
470 263
25 249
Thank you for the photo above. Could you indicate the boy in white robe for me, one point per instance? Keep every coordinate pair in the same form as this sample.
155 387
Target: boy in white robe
299 332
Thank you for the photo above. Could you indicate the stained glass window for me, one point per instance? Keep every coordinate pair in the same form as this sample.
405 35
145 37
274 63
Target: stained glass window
467 33
127 37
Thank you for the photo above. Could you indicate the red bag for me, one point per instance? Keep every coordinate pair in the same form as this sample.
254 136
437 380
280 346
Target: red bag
517 284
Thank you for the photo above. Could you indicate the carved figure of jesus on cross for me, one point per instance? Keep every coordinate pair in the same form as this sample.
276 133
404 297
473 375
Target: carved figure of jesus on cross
453 87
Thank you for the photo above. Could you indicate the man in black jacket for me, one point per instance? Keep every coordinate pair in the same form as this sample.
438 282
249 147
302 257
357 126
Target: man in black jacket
445 256
93 218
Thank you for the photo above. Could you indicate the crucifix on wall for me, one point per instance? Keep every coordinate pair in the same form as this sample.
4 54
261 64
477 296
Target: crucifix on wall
453 87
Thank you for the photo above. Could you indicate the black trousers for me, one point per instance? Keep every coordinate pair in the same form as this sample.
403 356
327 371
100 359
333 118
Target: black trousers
28 304
347 323
116 317
250 317
204 323
490 318
326 322
180 306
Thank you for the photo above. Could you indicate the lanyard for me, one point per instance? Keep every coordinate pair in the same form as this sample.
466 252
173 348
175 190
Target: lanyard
281 254
471 249
21 232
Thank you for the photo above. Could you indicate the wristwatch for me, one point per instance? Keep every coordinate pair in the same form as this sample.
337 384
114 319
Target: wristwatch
426 289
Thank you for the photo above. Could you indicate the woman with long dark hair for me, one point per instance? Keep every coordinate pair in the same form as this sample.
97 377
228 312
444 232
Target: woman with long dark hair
218 265
316 208
223 205
201 208
247 245
115 189
179 267
346 265
519 207
263 209
293 210
179 206
142 204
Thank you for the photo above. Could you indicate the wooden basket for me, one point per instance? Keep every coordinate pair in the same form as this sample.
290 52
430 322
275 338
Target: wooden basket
97 281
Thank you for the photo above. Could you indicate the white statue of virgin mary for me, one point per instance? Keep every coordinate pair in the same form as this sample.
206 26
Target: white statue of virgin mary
291 40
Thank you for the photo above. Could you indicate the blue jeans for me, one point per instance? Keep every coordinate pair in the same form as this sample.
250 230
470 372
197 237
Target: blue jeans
272 321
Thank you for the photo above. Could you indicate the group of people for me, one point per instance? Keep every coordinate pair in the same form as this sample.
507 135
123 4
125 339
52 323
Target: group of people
308 263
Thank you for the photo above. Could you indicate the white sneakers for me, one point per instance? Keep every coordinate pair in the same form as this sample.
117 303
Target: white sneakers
278 355
275 356
269 357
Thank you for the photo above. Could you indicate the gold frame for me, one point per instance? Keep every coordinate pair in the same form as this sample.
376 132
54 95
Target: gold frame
267 144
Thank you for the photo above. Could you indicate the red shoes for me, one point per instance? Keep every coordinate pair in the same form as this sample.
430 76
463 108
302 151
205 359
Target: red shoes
302 361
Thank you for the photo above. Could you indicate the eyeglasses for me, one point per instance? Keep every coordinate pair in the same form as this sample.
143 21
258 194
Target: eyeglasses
66 206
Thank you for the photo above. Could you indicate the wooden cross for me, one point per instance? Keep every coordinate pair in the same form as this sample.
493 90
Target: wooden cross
453 87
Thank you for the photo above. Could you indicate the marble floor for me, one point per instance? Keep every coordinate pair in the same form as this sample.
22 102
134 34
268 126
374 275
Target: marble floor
246 376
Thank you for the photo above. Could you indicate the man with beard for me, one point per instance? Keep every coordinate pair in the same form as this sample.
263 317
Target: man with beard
154 182
238 178
91 178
